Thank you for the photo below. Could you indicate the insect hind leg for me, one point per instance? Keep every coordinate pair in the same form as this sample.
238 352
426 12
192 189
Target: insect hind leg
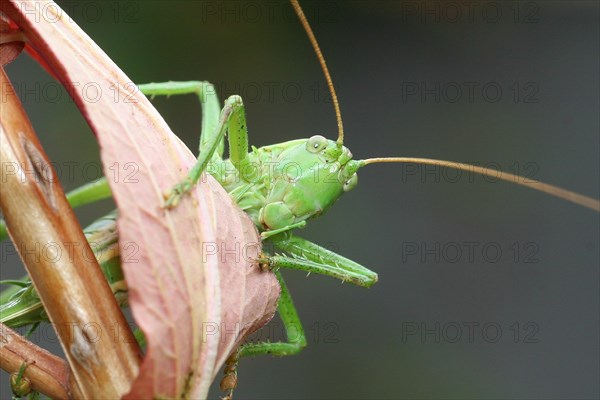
207 95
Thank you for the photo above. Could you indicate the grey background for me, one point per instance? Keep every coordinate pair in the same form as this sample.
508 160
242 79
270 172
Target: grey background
358 342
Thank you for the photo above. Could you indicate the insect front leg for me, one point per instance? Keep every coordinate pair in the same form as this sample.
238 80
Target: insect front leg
214 123
310 257
232 120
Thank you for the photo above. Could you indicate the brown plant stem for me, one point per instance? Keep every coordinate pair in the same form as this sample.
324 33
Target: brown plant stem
100 348
47 373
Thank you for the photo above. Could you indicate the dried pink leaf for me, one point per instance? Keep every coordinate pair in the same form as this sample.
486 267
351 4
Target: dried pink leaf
177 290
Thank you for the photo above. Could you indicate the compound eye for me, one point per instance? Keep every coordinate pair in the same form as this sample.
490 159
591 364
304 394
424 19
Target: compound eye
316 143
350 183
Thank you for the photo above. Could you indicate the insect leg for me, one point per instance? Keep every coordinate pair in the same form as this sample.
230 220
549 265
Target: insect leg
86 194
268 234
230 119
208 98
293 329
310 257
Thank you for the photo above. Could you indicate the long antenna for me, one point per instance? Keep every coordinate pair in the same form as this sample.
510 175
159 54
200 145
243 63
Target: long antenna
315 45
564 194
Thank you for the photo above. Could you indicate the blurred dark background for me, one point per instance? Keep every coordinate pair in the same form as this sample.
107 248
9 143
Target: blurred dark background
487 289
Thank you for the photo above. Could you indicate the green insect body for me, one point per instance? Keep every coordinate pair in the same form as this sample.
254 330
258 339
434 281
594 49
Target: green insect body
279 186
286 184
289 183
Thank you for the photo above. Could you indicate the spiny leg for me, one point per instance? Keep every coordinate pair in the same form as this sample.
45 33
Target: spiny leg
310 257
233 121
211 137
293 330
306 256
292 325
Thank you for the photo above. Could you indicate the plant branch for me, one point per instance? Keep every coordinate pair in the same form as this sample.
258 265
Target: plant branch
100 348
47 373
